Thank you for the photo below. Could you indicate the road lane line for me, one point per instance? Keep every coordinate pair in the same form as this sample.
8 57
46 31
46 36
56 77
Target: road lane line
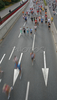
12 52
0 80
24 24
33 43
19 35
2 58
20 58
27 91
44 59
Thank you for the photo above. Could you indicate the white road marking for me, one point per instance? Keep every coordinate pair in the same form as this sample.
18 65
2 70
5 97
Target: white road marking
2 58
19 35
33 43
24 24
16 73
27 91
20 58
0 80
12 52
45 70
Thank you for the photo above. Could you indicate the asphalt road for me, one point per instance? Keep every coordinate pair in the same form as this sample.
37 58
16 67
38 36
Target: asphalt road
32 76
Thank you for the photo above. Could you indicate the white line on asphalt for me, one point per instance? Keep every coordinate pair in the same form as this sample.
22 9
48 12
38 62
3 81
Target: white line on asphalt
2 58
19 35
45 70
33 43
24 24
27 91
20 58
0 80
12 52
44 59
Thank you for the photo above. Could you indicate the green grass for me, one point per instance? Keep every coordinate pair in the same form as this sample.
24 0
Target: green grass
2 9
45 3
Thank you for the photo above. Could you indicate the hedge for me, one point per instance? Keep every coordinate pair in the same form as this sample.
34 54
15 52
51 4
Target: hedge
2 4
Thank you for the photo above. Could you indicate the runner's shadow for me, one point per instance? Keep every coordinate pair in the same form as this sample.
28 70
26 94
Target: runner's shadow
1 75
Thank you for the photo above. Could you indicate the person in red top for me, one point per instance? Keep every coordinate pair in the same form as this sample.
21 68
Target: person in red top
45 16
7 89
36 21
37 11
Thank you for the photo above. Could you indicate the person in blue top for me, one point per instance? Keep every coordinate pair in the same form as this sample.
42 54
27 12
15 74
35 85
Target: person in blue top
27 30
42 20
30 31
17 65
32 54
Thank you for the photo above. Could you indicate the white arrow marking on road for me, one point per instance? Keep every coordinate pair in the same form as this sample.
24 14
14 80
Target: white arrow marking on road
27 91
20 58
0 80
45 70
33 43
19 35
16 71
2 58
12 52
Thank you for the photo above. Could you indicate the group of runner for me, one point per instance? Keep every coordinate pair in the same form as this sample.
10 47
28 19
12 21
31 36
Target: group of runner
36 16
53 6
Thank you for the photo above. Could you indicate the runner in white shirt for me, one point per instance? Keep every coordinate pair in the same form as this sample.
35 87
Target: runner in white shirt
35 27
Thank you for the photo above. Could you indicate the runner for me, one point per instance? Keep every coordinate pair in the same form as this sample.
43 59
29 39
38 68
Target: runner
19 67
49 21
27 30
52 19
15 61
49 25
32 18
40 12
21 30
24 30
36 21
35 27
32 56
42 20
39 18
25 19
31 31
45 19
7 89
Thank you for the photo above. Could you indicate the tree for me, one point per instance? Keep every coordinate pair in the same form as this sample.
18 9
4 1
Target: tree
2 4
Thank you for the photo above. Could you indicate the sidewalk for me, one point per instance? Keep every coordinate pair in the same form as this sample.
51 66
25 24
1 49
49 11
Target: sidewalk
53 28
6 11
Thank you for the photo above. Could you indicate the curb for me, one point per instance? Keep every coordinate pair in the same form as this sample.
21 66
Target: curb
53 28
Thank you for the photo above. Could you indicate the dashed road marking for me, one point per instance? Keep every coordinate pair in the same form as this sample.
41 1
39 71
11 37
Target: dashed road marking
2 58
12 53
27 91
